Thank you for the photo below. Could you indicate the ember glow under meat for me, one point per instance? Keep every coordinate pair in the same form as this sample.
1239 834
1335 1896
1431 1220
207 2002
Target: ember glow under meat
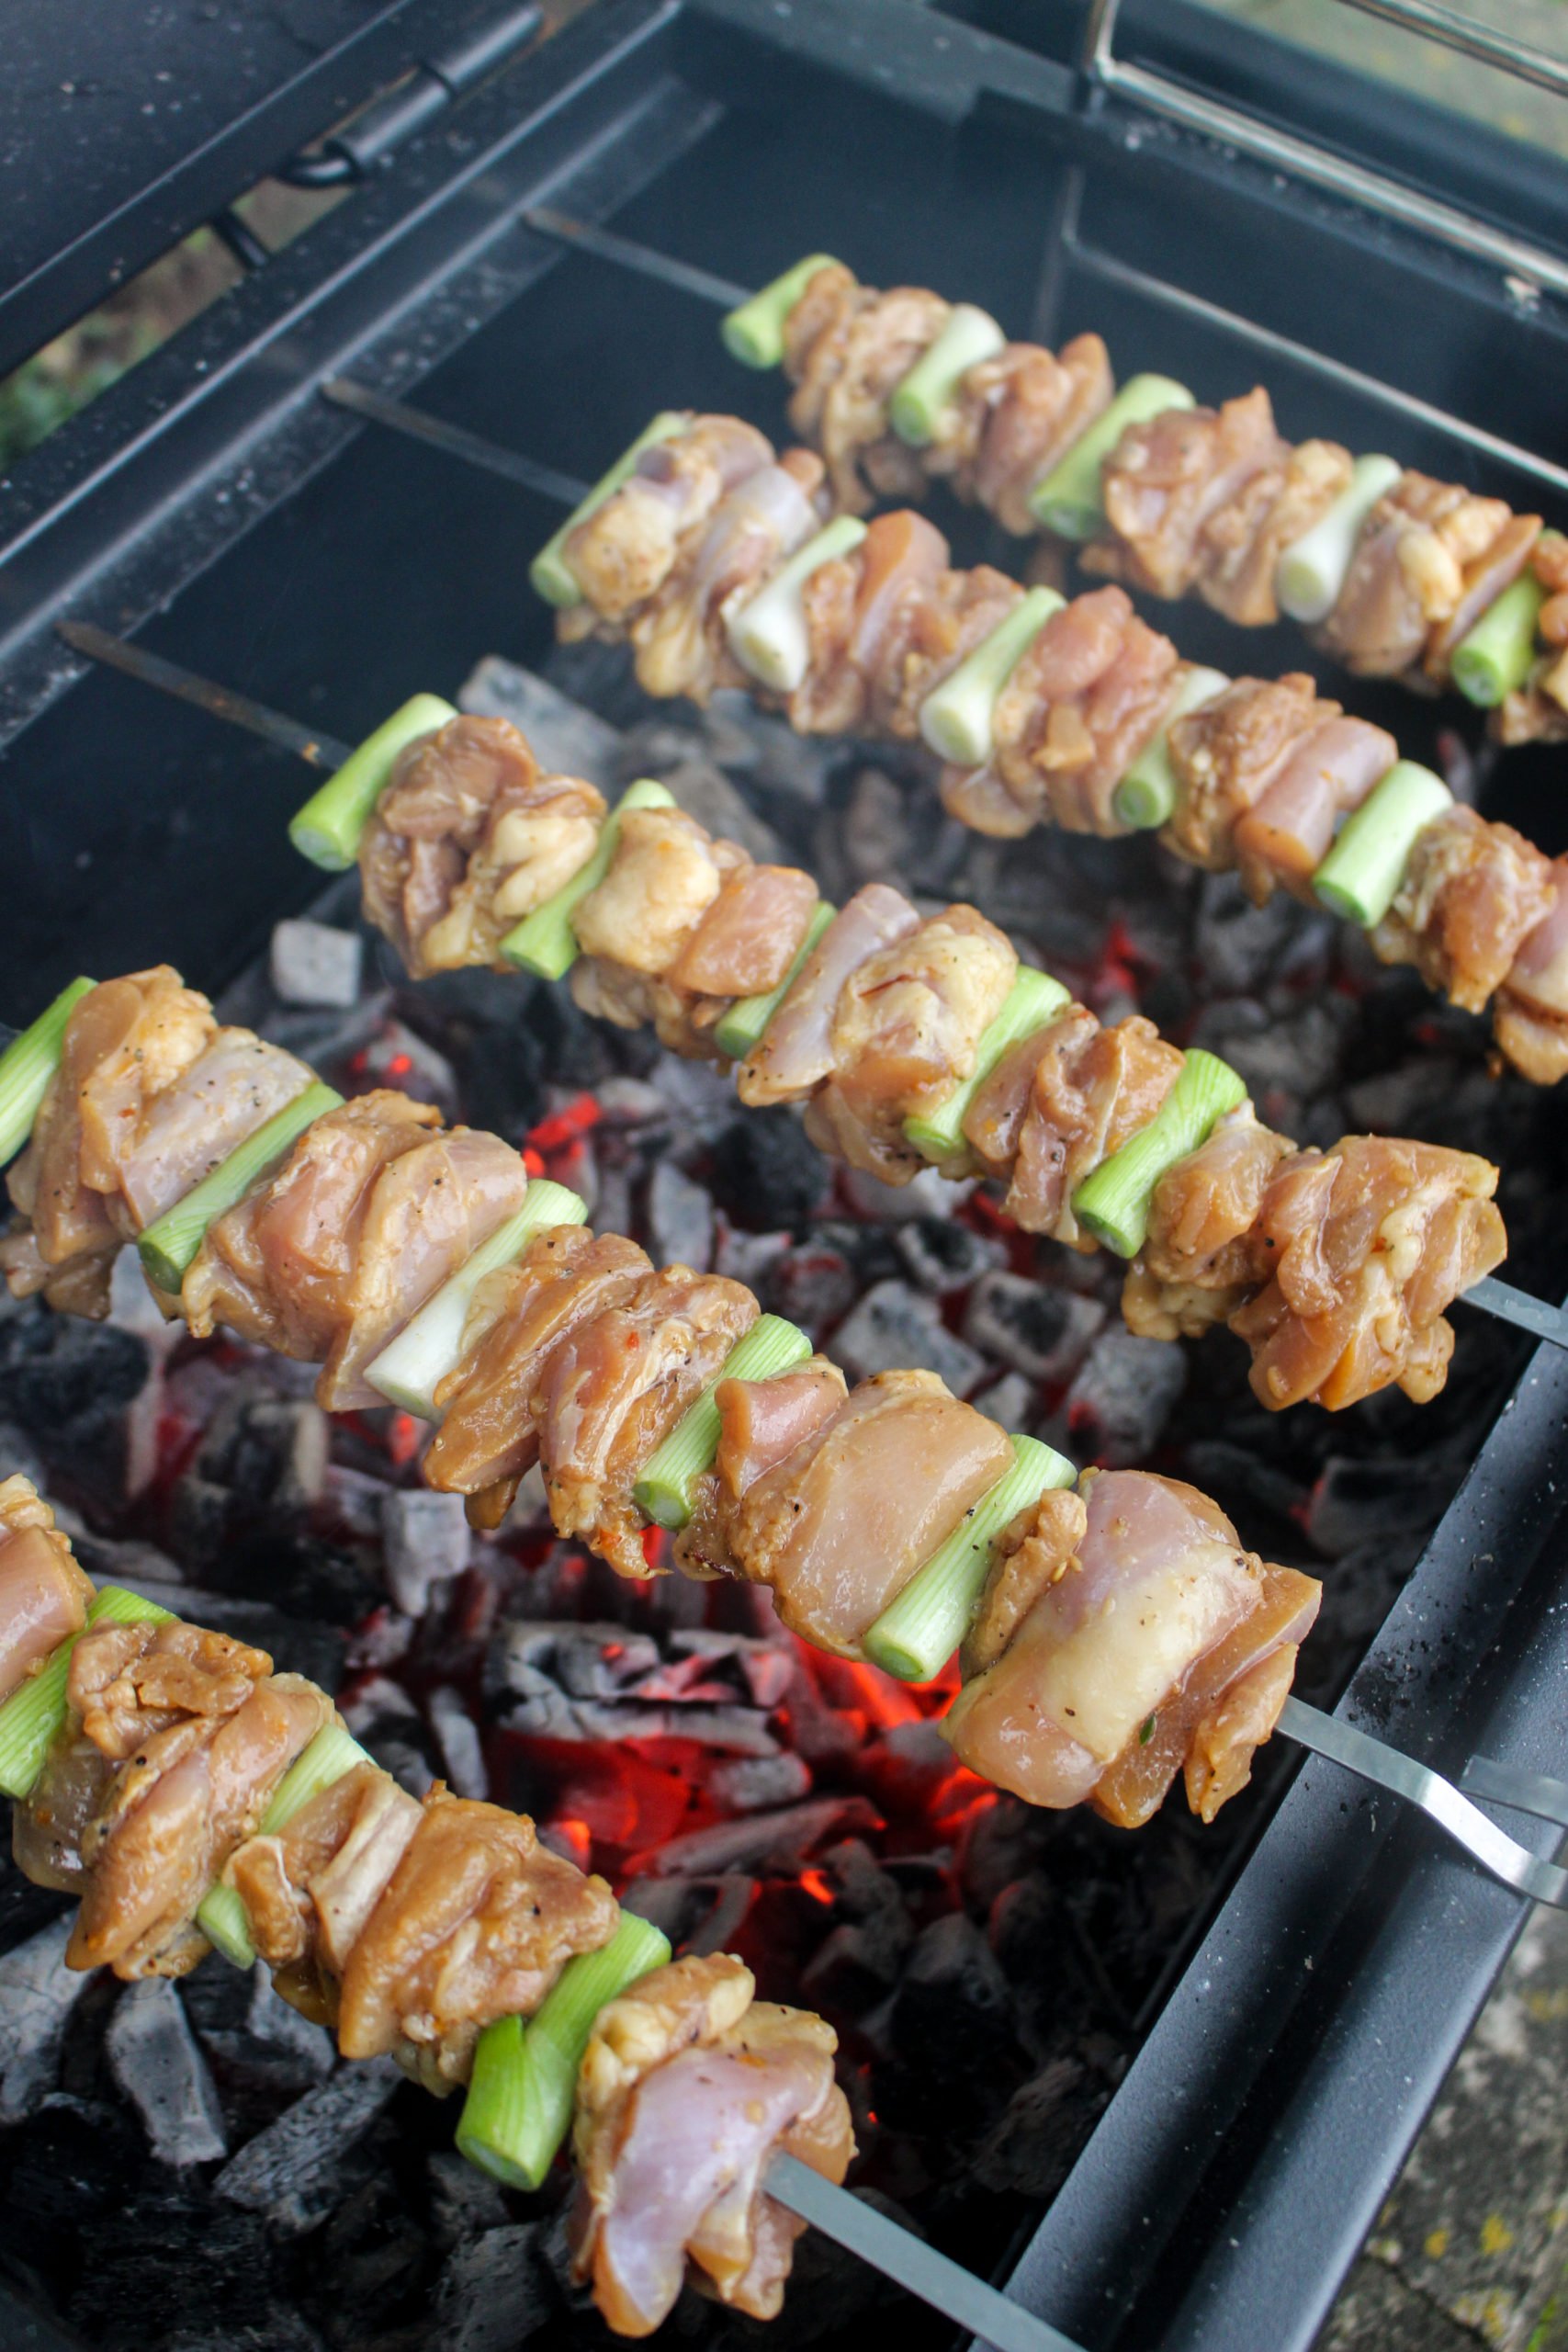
1257 776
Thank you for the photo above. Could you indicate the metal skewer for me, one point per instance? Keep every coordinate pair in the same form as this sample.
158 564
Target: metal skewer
455 439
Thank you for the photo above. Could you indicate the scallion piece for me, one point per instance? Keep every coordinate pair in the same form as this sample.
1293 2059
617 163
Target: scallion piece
551 575
664 1491
743 1025
31 1717
327 829
411 1367
1361 873
1068 501
1033 999
545 942
171 1240
956 717
768 636
27 1066
1492 660
1146 794
524 2085
221 1914
920 405
916 1635
1310 571
1114 1202
754 332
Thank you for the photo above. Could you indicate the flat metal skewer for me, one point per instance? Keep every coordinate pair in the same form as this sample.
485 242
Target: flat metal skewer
1536 1316
684 275
455 440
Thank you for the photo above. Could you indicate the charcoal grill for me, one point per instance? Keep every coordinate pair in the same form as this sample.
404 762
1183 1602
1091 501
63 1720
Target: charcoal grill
1215 205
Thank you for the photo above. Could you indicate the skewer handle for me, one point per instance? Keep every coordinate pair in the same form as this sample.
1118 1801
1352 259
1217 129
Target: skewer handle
995 2318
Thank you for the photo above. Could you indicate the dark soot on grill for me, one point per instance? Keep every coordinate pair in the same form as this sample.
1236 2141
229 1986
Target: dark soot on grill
186 2165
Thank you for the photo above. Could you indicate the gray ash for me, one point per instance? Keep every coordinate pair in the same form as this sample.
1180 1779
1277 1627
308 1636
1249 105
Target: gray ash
189 2165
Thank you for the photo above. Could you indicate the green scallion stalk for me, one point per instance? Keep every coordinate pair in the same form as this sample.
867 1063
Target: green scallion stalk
1114 1202
1362 872
916 1635
664 1492
411 1367
768 636
956 717
550 572
1310 571
922 403
743 1025
754 332
524 2085
31 1717
1068 501
171 1240
1146 794
545 942
1033 999
221 1914
27 1066
1492 660
328 829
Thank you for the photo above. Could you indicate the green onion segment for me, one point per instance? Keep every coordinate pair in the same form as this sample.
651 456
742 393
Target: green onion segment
1362 872
545 942
1492 660
411 1367
920 404
664 1492
768 636
742 1027
327 829
27 1066
1146 794
956 717
916 1635
171 1240
550 572
31 1717
1310 571
1033 999
220 1915
524 2085
754 332
1068 501
1113 1202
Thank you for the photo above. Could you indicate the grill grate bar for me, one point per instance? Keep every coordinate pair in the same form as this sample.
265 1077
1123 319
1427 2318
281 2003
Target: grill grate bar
588 237
455 440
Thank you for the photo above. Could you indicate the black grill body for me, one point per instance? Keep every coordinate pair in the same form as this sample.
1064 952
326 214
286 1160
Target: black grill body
214 504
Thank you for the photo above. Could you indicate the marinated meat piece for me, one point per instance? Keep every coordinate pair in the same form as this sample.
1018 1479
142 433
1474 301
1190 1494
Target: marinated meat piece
1228 752
681 647
1032 1555
1407 575
1019 413
1167 479
1093 1089
1497 567
623 553
750 935
48 1826
760 1422
1366 1248
813 337
1471 894
906 1031
613 1389
994 1121
1285 836
688 2087
849 377
44 1596
467 839
126 1042
233 1087
1202 1257
842 1523
857 647
665 874
1243 542
1529 1016
309 1889
942 628
1220 1753
1155 1581
1091 690
476 1923
795 1053
683 1023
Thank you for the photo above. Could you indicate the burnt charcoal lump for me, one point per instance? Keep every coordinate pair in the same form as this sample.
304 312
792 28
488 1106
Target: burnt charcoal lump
158 2256
154 2059
1045 2122
496 2290
951 2033
38 1993
56 1369
767 1174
